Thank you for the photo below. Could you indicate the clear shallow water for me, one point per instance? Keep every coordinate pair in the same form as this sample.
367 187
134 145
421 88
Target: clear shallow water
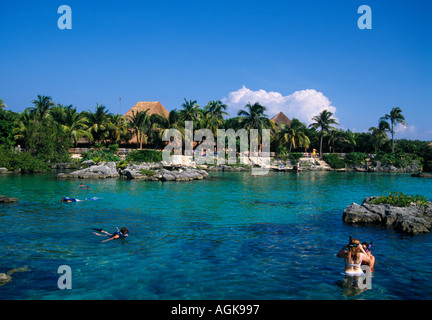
233 236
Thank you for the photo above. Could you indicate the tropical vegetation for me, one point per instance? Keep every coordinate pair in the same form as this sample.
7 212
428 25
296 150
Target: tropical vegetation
45 131
400 199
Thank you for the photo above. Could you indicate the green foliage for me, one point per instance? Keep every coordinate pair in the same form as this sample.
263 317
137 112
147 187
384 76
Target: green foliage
114 148
398 160
7 119
399 199
282 151
122 164
295 157
355 158
100 154
146 172
48 142
23 161
411 146
144 156
420 150
334 161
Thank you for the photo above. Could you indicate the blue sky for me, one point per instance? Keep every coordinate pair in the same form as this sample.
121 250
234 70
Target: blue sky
297 56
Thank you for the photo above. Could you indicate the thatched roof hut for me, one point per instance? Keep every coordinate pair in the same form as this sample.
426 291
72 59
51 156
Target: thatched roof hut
281 118
151 106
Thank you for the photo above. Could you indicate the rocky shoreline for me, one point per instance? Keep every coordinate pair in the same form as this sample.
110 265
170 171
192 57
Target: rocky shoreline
411 220
109 170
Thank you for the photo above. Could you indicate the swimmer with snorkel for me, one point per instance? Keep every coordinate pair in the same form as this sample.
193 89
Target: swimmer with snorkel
119 234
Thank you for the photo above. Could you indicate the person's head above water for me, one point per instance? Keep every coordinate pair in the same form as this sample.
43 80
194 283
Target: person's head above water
354 250
124 232
366 246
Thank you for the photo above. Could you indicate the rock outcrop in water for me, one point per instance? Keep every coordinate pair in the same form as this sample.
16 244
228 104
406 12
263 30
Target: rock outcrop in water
412 220
102 171
4 170
144 171
161 174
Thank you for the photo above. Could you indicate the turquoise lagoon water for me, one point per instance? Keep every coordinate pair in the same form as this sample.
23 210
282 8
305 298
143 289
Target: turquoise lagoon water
232 236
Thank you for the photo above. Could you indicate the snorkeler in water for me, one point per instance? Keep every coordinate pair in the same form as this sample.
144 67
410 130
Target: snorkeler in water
119 234
69 200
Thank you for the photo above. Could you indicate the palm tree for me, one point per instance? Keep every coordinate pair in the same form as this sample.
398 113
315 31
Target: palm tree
22 130
41 107
294 134
254 118
334 136
97 123
379 135
140 123
117 128
217 109
395 117
57 113
74 124
323 122
2 104
213 116
349 138
161 123
190 111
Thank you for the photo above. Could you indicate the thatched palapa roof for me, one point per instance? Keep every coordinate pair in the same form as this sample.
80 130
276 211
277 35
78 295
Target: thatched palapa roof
151 106
281 118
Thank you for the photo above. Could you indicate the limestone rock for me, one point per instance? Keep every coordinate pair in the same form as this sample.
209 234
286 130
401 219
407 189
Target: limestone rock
412 220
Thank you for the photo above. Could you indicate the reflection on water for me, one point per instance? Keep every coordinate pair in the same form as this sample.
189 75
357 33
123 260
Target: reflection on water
234 236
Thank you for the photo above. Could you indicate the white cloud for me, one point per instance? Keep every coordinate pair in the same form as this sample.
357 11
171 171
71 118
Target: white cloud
399 128
406 132
303 105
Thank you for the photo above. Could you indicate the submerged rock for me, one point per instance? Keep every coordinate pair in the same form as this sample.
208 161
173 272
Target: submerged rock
5 278
422 175
412 220
4 199
225 167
